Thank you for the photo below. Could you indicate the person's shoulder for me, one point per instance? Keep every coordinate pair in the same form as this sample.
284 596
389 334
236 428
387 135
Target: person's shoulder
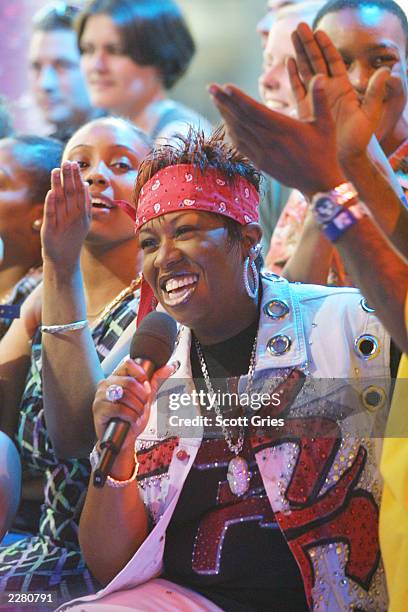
346 301
176 118
344 295
315 296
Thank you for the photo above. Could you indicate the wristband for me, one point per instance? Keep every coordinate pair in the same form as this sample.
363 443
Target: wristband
327 205
343 220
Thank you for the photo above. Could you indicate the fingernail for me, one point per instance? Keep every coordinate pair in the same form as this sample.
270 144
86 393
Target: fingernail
228 90
212 89
147 386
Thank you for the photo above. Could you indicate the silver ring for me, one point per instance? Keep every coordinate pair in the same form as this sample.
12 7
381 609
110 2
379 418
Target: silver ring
114 393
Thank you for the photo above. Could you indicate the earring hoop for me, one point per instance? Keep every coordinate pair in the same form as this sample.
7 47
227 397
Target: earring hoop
249 265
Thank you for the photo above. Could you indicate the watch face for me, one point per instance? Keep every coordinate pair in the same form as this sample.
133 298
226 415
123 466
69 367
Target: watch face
325 209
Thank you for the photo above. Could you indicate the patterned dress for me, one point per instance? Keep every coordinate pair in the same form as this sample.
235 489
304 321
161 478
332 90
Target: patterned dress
51 562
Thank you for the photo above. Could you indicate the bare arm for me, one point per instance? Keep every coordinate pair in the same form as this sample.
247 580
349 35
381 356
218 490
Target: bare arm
377 185
311 261
67 357
10 482
114 522
360 156
381 196
378 270
15 354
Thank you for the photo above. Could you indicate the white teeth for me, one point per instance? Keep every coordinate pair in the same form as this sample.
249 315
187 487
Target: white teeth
183 281
100 203
178 297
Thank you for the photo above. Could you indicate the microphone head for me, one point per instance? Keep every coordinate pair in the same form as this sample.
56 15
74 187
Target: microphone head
154 339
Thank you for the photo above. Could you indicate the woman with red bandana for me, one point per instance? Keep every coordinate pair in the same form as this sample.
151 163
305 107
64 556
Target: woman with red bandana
280 515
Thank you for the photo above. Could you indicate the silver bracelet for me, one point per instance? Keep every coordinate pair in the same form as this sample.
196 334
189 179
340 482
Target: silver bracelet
56 329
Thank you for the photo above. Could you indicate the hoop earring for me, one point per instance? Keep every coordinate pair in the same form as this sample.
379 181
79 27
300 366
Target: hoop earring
254 272
249 263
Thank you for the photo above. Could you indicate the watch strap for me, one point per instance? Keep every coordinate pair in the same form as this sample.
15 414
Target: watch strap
344 219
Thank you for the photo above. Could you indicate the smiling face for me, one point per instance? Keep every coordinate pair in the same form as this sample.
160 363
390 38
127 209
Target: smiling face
57 82
193 269
274 85
367 39
109 154
115 82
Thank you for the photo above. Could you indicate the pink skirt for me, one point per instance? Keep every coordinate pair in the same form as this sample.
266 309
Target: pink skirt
154 595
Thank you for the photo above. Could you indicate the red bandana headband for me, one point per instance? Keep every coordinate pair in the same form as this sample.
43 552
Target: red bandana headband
184 187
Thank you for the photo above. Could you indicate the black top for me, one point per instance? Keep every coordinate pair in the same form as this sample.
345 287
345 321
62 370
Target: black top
229 548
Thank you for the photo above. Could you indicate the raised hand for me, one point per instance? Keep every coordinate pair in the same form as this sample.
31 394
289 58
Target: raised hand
67 216
356 119
298 154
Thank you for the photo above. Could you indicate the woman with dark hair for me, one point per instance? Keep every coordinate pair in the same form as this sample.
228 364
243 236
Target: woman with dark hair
25 166
48 375
246 483
132 52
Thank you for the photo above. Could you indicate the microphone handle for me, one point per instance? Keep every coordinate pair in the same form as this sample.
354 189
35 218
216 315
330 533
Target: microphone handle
111 443
115 434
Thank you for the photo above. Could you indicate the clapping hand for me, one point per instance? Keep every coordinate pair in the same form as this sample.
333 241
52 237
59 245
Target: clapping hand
67 216
300 154
356 118
334 123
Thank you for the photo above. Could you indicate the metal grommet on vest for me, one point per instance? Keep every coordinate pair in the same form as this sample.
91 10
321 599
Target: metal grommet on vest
276 309
364 305
373 398
367 347
272 276
279 345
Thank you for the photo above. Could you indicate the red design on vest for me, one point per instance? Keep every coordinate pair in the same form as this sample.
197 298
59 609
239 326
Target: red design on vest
316 453
213 529
344 514
340 515
156 459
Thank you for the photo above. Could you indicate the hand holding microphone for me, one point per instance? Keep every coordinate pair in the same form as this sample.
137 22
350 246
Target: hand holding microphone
122 401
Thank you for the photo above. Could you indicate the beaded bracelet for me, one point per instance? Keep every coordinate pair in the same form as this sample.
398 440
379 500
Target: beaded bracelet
56 329
118 484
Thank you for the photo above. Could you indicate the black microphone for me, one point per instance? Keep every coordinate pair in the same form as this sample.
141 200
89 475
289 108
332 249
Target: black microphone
151 347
